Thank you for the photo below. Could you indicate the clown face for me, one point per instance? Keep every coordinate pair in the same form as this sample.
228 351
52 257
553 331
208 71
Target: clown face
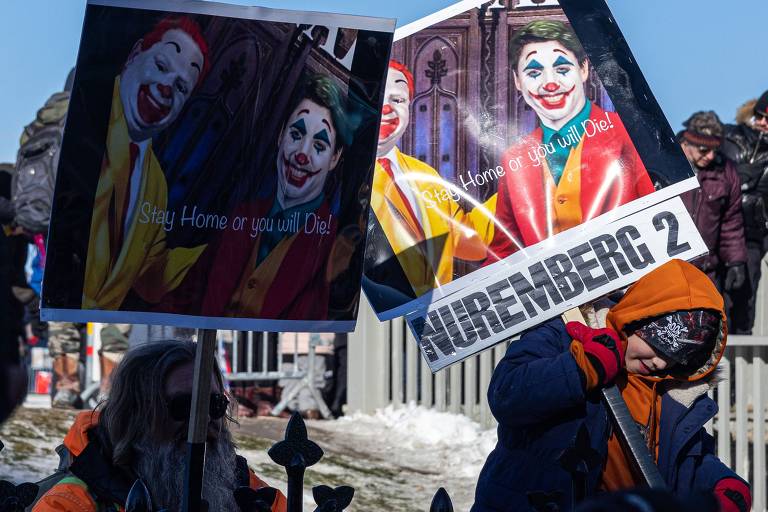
551 82
395 114
306 154
156 82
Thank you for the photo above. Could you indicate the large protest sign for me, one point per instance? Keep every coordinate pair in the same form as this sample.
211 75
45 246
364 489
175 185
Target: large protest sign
506 123
569 270
216 165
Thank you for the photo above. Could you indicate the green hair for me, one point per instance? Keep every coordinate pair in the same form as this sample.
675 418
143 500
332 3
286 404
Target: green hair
542 31
321 89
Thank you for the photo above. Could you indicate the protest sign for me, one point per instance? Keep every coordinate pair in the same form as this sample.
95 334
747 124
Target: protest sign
569 270
504 124
215 167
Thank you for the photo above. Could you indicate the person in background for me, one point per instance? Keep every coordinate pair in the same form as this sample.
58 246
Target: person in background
746 143
13 373
716 205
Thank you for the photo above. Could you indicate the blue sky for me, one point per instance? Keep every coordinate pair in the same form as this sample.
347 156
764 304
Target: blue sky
696 54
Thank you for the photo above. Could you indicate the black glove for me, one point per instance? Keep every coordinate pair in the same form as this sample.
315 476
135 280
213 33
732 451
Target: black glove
735 277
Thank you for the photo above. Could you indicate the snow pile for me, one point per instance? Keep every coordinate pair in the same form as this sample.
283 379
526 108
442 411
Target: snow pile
420 438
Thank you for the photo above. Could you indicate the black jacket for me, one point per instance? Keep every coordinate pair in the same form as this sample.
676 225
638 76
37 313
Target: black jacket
748 148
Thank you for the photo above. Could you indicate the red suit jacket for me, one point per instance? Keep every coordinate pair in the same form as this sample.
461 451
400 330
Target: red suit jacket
293 283
612 174
299 287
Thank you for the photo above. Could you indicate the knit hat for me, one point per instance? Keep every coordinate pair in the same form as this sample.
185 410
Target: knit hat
761 107
682 335
704 129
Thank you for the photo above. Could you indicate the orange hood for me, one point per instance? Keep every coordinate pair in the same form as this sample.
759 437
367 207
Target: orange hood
77 438
674 286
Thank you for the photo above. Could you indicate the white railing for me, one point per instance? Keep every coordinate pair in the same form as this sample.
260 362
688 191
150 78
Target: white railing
741 418
385 367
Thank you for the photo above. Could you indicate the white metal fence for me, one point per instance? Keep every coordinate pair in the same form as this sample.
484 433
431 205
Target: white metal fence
386 368
261 356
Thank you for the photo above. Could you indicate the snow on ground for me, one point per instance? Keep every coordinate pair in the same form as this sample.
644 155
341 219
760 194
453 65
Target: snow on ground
422 448
396 459
421 437
30 436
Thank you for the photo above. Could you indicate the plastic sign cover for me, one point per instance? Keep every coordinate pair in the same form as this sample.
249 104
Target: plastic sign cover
507 128
216 167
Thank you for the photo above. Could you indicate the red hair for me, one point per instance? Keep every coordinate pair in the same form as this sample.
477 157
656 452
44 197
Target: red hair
408 75
185 24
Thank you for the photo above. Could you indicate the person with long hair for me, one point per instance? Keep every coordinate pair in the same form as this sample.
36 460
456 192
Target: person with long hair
140 430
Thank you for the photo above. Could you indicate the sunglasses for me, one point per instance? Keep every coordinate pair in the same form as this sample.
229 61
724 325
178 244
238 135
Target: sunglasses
760 115
180 405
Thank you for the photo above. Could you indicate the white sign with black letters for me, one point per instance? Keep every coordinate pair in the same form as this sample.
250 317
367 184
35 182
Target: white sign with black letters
575 271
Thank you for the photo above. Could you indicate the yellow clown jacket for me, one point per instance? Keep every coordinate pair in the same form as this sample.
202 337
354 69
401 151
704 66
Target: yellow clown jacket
426 246
137 258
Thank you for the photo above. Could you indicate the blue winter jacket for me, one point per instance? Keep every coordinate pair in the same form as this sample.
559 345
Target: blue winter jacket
537 395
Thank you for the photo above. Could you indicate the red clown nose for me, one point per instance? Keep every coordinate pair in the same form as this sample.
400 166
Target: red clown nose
551 87
387 109
302 159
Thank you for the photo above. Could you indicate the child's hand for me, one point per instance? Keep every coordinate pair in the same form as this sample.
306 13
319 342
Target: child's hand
603 349
733 495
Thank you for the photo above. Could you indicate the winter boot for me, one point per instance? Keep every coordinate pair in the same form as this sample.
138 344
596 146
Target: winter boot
107 361
66 367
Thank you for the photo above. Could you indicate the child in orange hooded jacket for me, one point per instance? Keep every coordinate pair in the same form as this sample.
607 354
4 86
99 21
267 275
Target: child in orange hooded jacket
661 346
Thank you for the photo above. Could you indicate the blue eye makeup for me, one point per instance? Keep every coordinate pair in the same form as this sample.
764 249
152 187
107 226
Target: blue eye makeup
534 65
562 61
323 136
300 126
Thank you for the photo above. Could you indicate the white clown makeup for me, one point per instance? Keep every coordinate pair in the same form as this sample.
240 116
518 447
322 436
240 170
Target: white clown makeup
156 82
395 114
552 82
306 154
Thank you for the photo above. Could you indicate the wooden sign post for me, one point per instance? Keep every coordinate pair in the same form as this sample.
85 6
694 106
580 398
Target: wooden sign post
198 421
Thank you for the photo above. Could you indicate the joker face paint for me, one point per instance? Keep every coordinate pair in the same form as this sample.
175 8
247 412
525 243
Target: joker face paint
306 154
156 82
395 115
552 82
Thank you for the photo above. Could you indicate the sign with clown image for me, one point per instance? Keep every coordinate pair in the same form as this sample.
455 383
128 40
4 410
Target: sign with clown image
508 128
215 167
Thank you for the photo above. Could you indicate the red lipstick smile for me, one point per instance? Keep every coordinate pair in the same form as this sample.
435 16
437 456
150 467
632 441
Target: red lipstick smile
296 176
553 101
150 111
388 127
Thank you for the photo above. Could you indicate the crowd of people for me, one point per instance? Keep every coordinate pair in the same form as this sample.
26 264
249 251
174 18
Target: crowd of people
729 208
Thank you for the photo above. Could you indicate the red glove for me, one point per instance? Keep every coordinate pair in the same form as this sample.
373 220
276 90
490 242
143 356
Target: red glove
733 495
603 349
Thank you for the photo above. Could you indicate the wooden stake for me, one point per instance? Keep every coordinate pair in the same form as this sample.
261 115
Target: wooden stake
198 420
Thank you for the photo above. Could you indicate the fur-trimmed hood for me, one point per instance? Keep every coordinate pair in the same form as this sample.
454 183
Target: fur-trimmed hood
745 112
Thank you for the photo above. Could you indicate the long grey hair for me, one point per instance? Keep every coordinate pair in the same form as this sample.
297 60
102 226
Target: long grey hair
136 405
